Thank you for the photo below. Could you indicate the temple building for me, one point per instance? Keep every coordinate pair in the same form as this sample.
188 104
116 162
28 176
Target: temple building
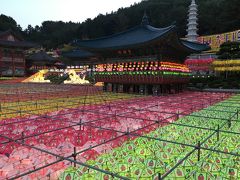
12 57
143 59
38 61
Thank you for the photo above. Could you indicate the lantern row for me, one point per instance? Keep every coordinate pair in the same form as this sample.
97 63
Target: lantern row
235 68
153 73
142 66
204 64
226 62
200 68
226 65
199 61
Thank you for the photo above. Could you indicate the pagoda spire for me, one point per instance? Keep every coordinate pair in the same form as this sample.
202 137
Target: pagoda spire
192 22
145 20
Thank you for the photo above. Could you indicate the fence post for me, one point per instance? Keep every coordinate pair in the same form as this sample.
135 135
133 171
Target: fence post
229 123
128 138
74 155
159 176
199 152
80 125
22 137
218 133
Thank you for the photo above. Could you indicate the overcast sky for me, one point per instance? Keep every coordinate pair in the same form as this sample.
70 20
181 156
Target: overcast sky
34 12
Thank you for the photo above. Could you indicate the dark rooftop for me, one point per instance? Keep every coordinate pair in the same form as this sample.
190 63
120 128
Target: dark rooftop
132 37
22 44
18 43
77 53
41 56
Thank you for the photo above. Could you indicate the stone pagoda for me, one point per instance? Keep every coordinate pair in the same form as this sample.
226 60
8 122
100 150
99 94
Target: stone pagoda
192 22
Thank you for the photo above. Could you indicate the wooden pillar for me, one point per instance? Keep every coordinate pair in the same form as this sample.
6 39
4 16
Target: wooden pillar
120 88
1 55
114 87
176 88
105 86
131 89
141 89
110 88
11 55
24 63
146 89
156 90
164 89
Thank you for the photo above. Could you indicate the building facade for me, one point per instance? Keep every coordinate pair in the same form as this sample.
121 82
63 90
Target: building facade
12 57
143 59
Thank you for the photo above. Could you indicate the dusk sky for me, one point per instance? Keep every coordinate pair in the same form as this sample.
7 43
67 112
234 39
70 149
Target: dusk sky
34 12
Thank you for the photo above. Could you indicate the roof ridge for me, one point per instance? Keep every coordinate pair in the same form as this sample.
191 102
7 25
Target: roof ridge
13 33
109 36
149 27
194 45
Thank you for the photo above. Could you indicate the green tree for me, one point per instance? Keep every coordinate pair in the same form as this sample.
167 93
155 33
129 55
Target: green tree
229 50
7 22
215 16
